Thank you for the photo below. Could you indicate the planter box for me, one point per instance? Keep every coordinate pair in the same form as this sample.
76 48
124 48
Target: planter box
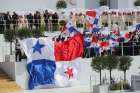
135 82
100 89
9 58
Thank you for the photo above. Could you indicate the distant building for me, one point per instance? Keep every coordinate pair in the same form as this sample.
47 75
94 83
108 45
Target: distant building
122 4
113 4
31 5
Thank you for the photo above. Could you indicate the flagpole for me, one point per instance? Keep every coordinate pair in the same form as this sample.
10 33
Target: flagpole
122 47
89 51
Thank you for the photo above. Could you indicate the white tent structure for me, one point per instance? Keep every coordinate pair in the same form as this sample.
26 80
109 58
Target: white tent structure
32 5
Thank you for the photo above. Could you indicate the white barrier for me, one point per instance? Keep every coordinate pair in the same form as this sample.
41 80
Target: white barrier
18 72
9 68
100 89
21 74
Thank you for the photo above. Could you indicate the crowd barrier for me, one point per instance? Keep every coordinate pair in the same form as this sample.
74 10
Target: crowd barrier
55 26
18 72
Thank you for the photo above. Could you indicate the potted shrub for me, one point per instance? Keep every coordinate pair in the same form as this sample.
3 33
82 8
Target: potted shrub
62 25
103 2
62 22
23 33
122 85
61 4
137 3
10 36
98 65
125 64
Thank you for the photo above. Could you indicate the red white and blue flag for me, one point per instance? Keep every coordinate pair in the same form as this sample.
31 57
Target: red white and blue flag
93 20
53 63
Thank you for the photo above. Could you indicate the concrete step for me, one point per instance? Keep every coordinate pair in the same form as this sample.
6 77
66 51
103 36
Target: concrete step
7 84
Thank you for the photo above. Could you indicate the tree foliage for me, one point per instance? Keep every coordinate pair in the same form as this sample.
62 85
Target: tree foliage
111 63
137 3
23 33
61 4
124 64
98 65
103 2
9 35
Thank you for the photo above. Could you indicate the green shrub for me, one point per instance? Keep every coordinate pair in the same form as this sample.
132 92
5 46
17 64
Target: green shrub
26 33
62 22
116 86
126 86
43 28
79 25
103 2
137 3
37 33
119 86
9 35
55 27
23 33
61 4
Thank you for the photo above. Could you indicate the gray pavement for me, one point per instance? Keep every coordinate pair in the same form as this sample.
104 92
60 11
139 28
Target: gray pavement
76 89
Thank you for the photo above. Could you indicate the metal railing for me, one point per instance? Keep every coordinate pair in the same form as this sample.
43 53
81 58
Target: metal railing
50 24
94 81
121 50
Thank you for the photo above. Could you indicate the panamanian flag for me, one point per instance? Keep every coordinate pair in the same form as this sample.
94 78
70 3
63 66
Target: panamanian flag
53 63
93 20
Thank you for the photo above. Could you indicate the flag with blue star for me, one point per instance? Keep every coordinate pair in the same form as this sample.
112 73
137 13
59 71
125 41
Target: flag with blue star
41 65
38 47
45 66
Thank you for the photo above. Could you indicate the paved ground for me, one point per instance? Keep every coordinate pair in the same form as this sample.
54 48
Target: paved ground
125 92
7 84
77 89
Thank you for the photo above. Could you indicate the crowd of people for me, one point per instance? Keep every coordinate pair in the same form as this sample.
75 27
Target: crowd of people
32 20
14 21
51 19
114 42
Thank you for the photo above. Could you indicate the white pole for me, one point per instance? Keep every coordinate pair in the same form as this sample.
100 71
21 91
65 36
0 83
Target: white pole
123 19
90 85
3 54
109 21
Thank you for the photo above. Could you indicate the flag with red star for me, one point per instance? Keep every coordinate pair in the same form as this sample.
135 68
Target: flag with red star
50 63
67 72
